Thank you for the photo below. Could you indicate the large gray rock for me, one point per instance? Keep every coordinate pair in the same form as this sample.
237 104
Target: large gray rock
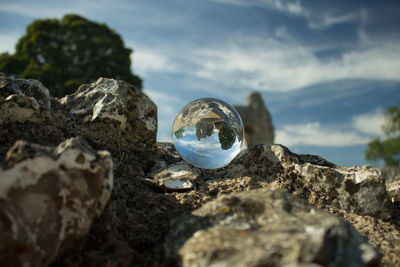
110 114
26 113
49 198
258 128
266 228
32 89
359 190
113 115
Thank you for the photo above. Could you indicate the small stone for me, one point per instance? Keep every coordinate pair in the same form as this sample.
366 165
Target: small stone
178 184
177 177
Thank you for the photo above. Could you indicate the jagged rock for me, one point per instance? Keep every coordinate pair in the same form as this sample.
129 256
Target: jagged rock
266 228
258 128
26 113
393 189
392 178
359 190
48 199
133 229
32 89
113 115
110 114
133 226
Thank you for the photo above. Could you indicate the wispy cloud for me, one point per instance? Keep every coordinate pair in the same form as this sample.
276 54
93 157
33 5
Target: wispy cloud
8 41
359 131
369 123
270 65
315 134
316 18
146 61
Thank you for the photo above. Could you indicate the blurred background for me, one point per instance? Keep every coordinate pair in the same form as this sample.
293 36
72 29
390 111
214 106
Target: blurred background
326 70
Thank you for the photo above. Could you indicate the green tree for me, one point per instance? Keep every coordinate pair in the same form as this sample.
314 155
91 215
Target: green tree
226 137
388 149
64 54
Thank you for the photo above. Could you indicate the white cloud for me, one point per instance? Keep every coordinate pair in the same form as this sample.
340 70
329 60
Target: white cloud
41 9
361 130
317 135
269 65
325 20
316 19
369 123
146 61
8 42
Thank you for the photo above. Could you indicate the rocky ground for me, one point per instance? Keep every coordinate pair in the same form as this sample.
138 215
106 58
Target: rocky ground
84 183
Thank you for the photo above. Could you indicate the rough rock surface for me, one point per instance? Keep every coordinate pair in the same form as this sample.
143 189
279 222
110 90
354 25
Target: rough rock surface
266 228
393 190
26 114
140 218
113 115
133 228
258 128
359 190
48 199
110 114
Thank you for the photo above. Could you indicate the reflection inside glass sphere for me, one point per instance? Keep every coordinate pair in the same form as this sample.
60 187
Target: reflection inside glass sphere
208 133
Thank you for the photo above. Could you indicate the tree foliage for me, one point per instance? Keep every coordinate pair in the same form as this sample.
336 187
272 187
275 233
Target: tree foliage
388 149
64 54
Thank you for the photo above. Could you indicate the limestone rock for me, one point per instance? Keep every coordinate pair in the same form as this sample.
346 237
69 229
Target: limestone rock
359 190
27 88
137 229
393 189
113 115
266 228
26 113
176 177
48 199
258 128
392 178
110 114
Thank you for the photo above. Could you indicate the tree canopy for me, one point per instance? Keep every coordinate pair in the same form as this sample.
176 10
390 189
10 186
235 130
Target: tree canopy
388 149
65 53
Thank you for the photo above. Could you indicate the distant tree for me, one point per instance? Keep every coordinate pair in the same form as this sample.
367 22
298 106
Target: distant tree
64 54
388 149
179 133
226 137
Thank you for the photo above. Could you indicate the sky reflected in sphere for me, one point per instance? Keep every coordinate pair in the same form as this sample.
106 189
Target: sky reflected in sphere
208 133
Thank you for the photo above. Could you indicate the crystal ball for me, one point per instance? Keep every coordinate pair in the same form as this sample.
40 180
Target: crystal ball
208 133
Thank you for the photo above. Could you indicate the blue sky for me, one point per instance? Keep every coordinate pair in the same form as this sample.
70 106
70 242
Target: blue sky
326 69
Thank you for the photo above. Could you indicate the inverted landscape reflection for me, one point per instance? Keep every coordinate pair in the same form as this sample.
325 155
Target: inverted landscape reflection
208 133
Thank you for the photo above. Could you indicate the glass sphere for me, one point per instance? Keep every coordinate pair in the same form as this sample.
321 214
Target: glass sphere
208 133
